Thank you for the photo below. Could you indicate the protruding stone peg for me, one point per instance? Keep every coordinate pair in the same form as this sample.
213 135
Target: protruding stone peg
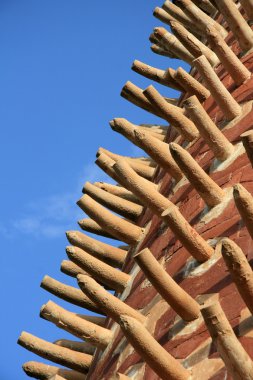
162 363
109 254
68 293
193 44
121 206
105 163
191 85
248 7
244 203
171 42
236 359
90 225
236 23
43 371
170 113
151 197
110 304
222 96
187 235
200 18
85 347
163 16
155 74
211 193
85 330
61 355
71 269
100 271
157 49
120 191
118 227
239 269
247 139
230 61
159 151
183 304
211 134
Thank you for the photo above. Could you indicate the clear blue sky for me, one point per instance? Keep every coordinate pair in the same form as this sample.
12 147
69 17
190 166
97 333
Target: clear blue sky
63 64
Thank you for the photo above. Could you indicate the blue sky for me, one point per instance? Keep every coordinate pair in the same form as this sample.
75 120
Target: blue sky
63 64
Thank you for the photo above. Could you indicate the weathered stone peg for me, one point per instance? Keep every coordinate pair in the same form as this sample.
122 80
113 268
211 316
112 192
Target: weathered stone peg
183 304
109 254
85 330
101 271
217 142
121 206
120 191
244 203
118 227
236 23
110 304
68 293
151 197
236 359
71 269
162 15
105 163
90 225
192 43
211 193
171 42
164 365
248 7
43 371
230 61
170 113
247 139
222 96
187 235
61 355
240 270
191 85
157 49
85 347
155 74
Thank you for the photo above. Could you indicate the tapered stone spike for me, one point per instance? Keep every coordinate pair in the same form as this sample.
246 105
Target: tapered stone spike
155 74
100 271
236 23
239 269
90 225
187 235
193 44
68 293
109 254
211 134
121 206
84 347
162 15
191 85
222 96
248 7
71 269
211 193
157 49
118 227
200 18
120 191
170 42
43 371
170 113
247 139
180 301
151 197
85 330
61 355
110 304
236 359
244 203
157 358
159 151
145 161
205 5
182 17
134 94
105 163
230 61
